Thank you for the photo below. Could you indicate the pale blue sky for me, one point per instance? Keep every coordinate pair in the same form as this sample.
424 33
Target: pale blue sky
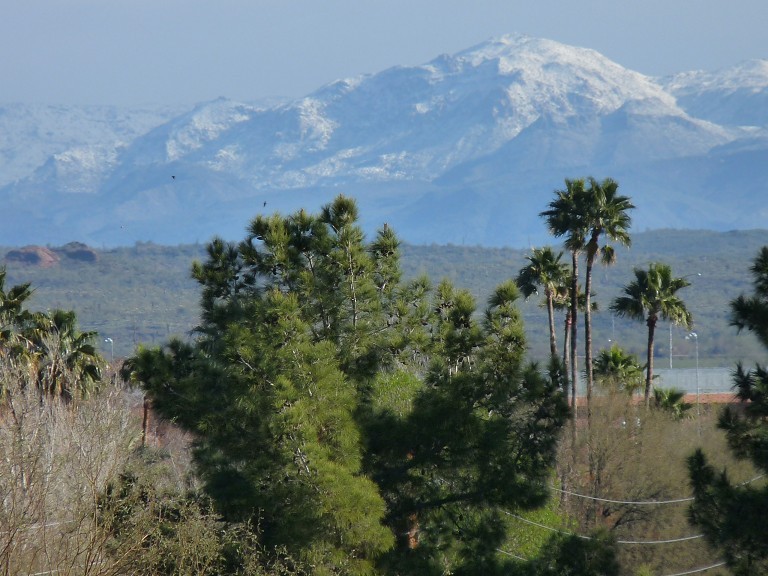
131 52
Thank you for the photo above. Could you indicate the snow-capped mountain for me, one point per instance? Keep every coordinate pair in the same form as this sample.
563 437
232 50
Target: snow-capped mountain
30 134
466 148
735 96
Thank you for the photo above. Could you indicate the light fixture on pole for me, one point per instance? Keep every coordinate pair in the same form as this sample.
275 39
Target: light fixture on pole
112 349
670 324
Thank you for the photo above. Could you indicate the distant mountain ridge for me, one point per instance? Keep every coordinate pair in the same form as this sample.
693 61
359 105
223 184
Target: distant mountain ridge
466 148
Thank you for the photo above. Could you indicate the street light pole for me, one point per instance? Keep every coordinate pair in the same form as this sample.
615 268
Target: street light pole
698 392
112 349
670 345
670 325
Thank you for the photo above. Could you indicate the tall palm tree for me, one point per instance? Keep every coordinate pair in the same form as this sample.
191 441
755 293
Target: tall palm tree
545 270
606 217
585 216
564 217
563 302
652 296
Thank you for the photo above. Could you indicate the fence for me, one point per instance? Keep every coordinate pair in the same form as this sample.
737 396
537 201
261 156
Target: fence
710 380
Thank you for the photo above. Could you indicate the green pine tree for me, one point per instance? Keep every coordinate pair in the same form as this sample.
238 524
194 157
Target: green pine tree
732 516
361 422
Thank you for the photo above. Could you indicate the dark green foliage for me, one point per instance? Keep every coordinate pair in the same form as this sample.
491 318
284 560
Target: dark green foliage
733 516
479 434
64 359
671 401
575 556
751 312
587 217
651 297
359 419
15 319
615 370
546 270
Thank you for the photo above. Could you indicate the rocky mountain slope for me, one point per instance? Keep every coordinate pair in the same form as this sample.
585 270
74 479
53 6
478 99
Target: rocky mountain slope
467 148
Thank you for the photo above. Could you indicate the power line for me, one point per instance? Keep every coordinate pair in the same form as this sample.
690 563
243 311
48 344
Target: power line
632 502
698 569
670 541
511 554
694 571
641 502
551 529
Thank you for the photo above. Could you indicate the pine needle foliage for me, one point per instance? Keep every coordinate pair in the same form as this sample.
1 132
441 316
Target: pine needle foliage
732 516
365 424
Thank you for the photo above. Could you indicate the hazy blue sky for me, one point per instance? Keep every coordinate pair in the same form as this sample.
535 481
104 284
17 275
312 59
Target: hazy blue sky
186 51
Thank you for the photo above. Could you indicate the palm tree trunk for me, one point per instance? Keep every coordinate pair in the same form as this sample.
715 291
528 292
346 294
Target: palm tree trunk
551 312
649 361
574 317
567 359
145 422
588 333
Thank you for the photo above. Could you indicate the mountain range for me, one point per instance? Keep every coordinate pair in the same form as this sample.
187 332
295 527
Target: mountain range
465 149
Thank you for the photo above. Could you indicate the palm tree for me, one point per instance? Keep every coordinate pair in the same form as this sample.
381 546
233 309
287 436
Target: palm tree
564 218
13 317
617 370
544 270
66 359
563 302
653 296
584 216
671 400
607 215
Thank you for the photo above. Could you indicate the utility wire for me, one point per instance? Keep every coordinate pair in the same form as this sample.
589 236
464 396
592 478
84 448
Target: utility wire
633 502
694 571
698 570
511 554
670 541
642 502
550 528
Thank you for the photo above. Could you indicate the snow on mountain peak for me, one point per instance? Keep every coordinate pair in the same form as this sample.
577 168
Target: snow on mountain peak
735 96
749 74
496 123
544 71
204 124
422 120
